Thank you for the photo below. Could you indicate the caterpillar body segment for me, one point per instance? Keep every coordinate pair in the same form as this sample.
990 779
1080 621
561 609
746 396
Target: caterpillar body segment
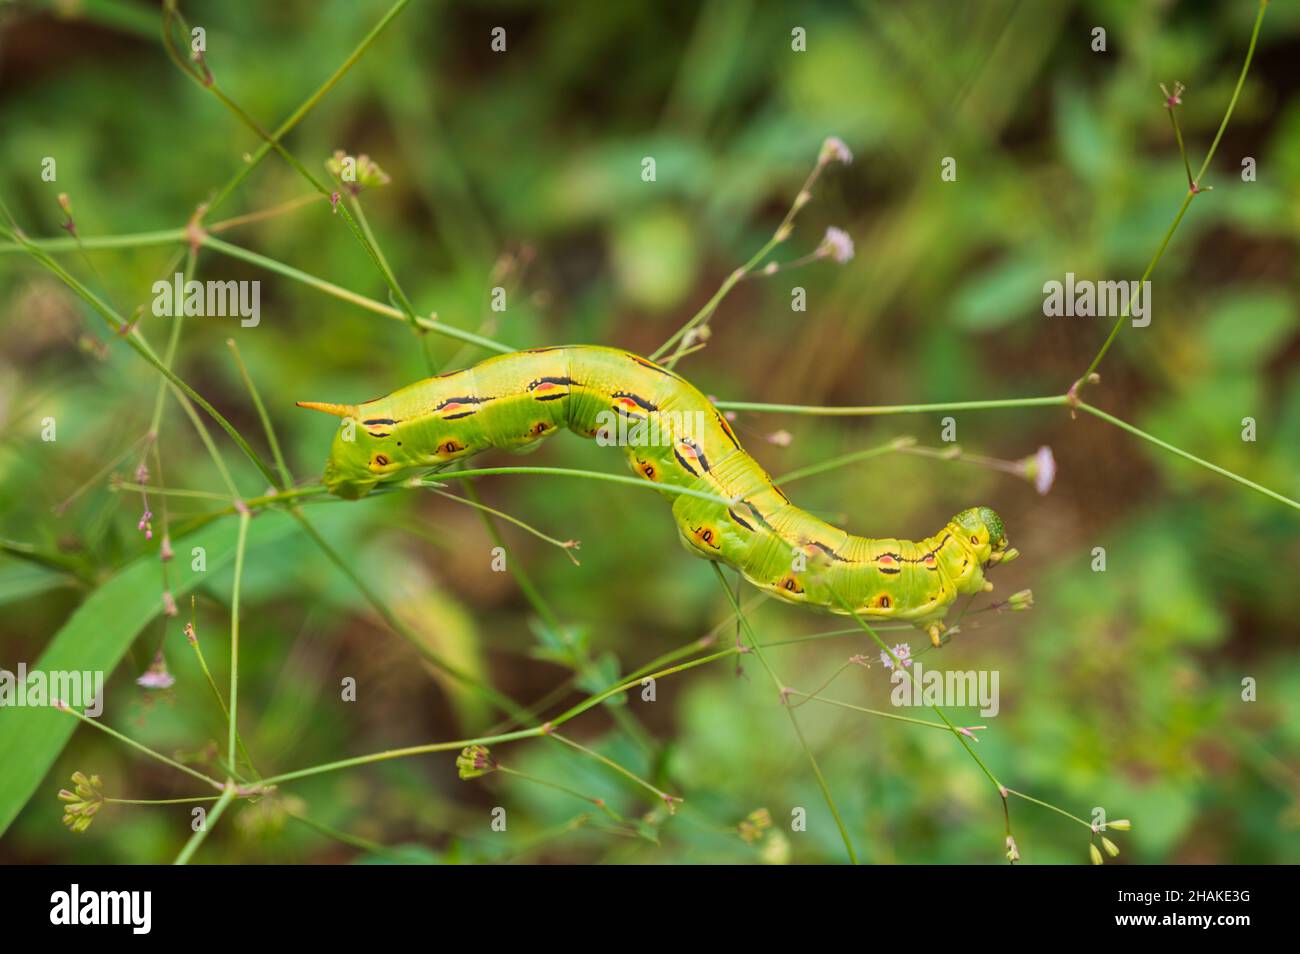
671 434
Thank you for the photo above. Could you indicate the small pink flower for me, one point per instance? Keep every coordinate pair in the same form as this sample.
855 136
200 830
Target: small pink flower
157 676
780 438
169 603
834 150
837 245
904 653
1040 469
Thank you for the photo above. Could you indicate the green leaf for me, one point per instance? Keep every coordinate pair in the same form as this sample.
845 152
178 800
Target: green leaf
1247 329
1010 290
95 638
24 580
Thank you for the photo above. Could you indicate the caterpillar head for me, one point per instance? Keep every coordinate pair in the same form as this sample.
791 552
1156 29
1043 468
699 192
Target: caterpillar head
985 534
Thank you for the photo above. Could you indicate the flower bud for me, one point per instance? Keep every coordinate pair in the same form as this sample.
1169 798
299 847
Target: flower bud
474 761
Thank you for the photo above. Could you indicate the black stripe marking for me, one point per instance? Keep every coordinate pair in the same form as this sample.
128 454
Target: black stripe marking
462 400
726 429
828 551
757 515
552 380
924 556
550 397
637 399
699 453
682 460
379 420
736 517
458 415
646 363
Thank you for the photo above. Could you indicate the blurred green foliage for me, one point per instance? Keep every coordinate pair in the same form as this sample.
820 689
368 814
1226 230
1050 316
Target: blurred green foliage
1121 689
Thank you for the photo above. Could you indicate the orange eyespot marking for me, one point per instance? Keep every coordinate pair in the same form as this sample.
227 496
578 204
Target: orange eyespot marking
449 447
883 601
706 535
381 460
886 559
975 540
539 429
791 585
648 469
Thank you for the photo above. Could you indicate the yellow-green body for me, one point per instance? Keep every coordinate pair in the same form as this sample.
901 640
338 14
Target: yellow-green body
670 434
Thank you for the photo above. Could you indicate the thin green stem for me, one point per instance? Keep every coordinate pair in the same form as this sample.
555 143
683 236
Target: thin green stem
960 736
1165 445
876 712
162 801
1059 811
140 747
390 754
337 291
669 800
1194 189
782 233
1124 312
877 410
136 341
212 684
572 472
514 736
240 546
1236 92
498 699
471 500
209 821
297 115
286 479
845 459
803 742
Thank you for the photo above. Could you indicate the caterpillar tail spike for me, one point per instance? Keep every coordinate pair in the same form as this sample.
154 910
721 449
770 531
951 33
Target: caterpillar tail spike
338 410
671 435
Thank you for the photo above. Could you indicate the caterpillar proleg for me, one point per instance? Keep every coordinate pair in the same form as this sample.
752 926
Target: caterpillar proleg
671 434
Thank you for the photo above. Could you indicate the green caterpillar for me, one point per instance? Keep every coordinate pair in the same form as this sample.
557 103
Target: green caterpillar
672 435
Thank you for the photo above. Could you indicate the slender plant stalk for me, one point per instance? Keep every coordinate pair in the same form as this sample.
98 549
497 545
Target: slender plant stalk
1194 189
209 822
780 688
589 474
140 747
286 479
877 410
1178 451
669 800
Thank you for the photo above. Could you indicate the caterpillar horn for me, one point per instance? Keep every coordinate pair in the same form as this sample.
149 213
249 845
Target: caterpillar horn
338 410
